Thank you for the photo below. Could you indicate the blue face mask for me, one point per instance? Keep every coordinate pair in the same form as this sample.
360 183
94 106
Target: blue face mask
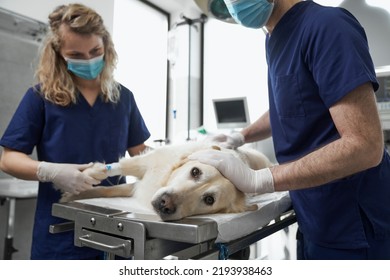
250 13
86 69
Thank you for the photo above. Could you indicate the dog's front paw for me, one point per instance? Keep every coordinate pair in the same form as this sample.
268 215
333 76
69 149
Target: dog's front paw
66 197
97 171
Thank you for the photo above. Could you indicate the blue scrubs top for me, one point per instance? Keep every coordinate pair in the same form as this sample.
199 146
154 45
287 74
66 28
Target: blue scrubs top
80 134
317 55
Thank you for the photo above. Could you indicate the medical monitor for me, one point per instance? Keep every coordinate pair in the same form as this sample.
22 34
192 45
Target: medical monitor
231 113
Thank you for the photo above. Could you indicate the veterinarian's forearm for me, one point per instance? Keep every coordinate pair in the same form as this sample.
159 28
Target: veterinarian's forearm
334 161
359 147
18 165
259 130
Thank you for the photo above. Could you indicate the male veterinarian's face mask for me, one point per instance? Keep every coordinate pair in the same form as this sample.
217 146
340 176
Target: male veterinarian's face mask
86 69
250 13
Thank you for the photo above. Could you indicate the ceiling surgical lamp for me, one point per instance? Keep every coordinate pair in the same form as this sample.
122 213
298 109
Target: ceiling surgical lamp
215 9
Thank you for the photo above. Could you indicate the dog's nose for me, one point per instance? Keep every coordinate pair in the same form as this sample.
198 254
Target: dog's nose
164 204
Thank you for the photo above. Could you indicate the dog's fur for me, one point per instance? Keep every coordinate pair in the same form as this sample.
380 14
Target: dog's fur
175 186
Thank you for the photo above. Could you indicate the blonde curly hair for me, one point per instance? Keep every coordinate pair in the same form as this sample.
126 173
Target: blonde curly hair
56 83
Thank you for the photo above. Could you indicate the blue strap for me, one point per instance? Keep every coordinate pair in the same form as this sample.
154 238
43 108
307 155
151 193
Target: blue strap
223 251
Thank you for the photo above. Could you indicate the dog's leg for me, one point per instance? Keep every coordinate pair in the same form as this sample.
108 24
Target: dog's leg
124 190
134 166
137 166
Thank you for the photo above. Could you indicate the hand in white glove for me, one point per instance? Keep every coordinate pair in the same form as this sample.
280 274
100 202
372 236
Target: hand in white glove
66 177
232 141
244 178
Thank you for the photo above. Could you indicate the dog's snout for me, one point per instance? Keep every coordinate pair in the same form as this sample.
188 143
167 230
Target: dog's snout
164 204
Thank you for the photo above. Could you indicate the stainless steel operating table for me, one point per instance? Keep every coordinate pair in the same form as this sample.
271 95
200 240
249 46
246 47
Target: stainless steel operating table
107 225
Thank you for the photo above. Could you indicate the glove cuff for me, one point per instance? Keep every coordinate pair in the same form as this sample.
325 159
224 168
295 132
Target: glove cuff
44 173
267 181
238 139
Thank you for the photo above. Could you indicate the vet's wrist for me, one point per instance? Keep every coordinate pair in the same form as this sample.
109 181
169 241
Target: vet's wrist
238 139
113 169
265 181
45 171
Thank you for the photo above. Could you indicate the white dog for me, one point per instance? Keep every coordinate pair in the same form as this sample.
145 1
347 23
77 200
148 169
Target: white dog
175 186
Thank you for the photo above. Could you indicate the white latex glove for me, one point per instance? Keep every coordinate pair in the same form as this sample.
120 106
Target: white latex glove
232 141
244 178
66 177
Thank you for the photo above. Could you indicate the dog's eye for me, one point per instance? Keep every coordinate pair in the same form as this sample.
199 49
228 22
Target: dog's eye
209 200
195 172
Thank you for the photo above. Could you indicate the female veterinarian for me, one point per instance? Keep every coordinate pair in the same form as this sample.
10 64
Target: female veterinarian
325 127
77 114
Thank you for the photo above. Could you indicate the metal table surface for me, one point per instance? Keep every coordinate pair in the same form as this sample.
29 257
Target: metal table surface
145 236
185 230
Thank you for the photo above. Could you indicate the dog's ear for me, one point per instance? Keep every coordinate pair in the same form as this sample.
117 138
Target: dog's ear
183 160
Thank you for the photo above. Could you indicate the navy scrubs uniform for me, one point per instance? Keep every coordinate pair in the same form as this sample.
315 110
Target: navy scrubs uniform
317 55
78 133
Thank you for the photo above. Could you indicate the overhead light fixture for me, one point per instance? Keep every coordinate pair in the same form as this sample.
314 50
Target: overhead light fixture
215 9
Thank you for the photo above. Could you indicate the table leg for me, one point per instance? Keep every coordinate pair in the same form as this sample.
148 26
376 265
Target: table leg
9 229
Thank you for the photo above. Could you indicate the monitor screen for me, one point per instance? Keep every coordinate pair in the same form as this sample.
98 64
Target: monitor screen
231 112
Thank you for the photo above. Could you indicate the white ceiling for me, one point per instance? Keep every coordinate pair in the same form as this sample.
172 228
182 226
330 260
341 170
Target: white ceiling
173 6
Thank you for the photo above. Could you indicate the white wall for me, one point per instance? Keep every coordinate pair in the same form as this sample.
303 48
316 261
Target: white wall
40 9
235 66
140 38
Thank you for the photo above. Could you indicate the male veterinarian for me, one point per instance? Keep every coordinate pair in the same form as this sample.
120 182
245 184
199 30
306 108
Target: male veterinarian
325 127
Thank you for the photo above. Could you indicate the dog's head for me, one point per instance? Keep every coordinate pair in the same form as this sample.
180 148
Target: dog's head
193 188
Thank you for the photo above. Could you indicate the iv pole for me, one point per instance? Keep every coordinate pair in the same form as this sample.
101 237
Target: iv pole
190 22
